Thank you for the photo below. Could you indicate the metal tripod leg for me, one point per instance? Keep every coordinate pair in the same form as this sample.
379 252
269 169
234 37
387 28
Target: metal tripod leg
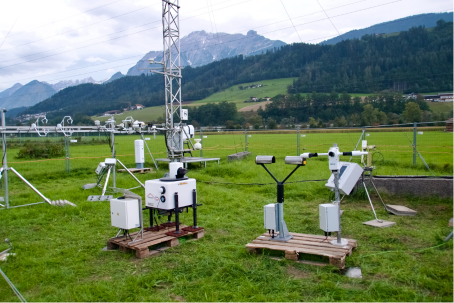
370 201
372 181
105 183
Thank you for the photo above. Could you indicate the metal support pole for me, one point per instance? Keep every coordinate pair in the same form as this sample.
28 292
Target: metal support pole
141 184
201 142
31 186
337 202
5 160
415 129
67 155
113 156
107 180
298 149
194 208
364 133
245 139
177 215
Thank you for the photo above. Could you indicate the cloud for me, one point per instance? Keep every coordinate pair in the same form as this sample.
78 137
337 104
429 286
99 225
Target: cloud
76 34
95 59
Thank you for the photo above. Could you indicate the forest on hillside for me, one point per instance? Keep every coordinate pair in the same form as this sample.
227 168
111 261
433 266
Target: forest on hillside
418 60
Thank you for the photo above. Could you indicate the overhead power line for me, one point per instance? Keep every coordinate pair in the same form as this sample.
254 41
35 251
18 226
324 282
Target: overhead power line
9 32
56 21
291 21
116 38
328 18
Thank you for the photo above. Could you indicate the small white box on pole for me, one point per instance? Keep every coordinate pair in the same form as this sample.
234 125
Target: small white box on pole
269 212
420 133
124 213
329 217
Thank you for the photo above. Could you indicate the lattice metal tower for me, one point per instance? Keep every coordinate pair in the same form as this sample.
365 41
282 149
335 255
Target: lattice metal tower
172 77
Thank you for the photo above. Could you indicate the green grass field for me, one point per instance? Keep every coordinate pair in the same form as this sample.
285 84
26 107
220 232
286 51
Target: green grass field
232 94
440 107
58 250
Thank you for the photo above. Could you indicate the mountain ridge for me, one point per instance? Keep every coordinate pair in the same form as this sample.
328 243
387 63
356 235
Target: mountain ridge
201 48
394 26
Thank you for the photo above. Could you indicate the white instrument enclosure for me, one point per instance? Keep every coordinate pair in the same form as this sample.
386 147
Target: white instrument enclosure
139 151
269 212
124 213
349 174
329 217
156 199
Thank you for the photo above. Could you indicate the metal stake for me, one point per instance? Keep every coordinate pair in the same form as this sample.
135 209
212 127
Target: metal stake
113 156
415 129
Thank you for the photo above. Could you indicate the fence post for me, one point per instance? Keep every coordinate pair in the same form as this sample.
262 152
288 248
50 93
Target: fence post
364 133
415 129
113 156
245 139
201 142
5 159
298 150
67 140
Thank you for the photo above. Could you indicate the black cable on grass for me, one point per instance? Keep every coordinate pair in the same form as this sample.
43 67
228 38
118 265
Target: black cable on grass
259 184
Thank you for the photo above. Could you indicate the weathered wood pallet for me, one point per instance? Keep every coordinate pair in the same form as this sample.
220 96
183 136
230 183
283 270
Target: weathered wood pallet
306 244
137 170
145 247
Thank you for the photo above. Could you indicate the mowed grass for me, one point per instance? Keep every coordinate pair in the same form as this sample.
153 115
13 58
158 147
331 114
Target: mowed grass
59 257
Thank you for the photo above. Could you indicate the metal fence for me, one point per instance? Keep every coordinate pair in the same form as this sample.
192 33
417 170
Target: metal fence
422 148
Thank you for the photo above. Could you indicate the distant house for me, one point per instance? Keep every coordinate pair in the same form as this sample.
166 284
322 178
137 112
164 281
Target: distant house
139 106
254 99
441 97
411 96
111 112
267 98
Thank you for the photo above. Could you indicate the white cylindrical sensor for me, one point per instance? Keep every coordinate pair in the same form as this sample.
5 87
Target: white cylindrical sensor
140 153
173 168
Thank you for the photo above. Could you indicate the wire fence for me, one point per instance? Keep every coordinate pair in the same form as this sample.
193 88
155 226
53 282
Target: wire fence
421 149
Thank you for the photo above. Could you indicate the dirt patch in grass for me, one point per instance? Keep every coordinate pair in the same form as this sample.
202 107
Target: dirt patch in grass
177 298
297 274
380 276
223 232
353 286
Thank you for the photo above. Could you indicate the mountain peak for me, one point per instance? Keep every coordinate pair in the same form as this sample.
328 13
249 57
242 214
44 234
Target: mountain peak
201 47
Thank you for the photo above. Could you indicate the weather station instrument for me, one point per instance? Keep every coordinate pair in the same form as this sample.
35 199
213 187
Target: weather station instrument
274 213
343 179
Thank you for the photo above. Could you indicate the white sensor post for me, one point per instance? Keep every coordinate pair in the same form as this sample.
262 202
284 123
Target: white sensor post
335 166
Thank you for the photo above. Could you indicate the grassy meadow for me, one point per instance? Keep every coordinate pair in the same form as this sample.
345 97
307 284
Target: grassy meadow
58 250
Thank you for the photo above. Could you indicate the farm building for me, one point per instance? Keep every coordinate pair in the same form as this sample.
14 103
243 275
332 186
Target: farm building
449 125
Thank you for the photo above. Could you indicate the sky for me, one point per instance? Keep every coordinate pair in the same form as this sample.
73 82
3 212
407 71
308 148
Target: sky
54 40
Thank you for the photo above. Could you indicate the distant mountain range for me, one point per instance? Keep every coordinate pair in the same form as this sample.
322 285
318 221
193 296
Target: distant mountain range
200 48
66 83
27 95
398 25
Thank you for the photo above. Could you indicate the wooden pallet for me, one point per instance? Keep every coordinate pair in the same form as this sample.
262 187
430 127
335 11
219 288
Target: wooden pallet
306 244
137 170
145 247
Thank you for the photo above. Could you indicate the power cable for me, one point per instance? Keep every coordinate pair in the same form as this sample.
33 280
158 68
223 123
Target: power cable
260 184
53 22
194 42
9 31
158 21
328 17
78 28
291 21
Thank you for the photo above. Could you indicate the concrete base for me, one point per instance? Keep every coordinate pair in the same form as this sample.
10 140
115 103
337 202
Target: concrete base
100 198
238 156
89 186
400 210
375 223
